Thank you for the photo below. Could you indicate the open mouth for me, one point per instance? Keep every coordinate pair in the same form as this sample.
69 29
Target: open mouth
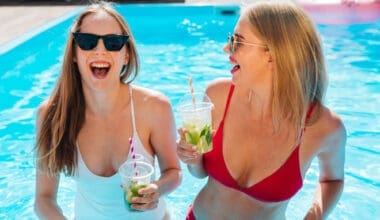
235 68
100 69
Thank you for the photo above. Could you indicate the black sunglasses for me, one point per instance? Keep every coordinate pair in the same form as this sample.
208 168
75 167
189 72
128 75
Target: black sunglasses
112 42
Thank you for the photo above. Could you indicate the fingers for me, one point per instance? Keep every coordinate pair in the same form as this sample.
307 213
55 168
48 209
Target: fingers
144 206
181 132
150 191
186 150
187 153
146 202
181 142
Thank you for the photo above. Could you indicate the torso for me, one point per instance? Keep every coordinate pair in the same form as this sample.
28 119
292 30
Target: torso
247 190
98 185
108 138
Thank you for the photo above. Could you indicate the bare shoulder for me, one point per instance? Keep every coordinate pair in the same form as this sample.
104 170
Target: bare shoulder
330 121
218 89
218 85
331 129
149 99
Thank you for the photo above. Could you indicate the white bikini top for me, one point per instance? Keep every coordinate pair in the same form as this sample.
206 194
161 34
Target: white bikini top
99 197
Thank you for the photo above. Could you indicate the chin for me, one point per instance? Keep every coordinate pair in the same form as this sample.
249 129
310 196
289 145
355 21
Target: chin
235 79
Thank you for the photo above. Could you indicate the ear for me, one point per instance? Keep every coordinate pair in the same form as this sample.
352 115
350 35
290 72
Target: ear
269 59
269 56
126 58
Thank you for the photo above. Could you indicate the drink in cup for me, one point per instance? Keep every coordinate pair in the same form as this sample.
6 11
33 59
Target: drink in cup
135 174
195 112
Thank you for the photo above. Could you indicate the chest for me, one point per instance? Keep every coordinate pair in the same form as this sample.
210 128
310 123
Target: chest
104 144
253 151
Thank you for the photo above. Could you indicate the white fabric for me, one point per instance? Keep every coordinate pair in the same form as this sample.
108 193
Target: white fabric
100 197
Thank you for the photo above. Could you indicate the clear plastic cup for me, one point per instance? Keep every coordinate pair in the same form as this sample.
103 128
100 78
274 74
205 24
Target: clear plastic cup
195 112
135 174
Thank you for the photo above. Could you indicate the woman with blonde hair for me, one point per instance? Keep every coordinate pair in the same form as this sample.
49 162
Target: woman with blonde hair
270 122
94 115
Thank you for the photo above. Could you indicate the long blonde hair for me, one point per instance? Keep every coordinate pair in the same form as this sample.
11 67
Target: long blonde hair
300 78
56 139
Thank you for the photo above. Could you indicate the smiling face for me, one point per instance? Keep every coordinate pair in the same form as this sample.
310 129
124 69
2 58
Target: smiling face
100 68
251 60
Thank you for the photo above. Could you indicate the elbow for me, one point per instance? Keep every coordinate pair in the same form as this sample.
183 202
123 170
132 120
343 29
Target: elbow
47 208
169 181
179 178
37 208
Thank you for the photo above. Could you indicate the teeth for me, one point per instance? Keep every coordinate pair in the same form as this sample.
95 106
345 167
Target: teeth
100 65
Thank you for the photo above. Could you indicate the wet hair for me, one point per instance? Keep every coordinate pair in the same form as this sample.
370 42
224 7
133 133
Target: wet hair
300 78
65 111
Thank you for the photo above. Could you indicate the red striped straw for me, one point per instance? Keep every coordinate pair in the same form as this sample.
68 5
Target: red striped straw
132 152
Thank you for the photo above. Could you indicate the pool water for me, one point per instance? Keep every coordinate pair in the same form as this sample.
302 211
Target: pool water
188 40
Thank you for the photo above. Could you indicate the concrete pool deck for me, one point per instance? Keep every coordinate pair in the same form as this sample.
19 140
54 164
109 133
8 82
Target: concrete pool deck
20 17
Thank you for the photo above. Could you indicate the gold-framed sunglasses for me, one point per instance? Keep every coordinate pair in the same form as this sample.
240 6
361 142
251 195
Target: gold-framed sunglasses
234 44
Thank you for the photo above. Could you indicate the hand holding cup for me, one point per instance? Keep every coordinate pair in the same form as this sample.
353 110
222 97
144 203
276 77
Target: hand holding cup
195 111
139 192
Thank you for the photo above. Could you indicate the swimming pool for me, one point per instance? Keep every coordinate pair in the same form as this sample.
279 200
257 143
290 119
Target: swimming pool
188 40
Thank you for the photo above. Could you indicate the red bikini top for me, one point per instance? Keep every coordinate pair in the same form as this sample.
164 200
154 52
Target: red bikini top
281 185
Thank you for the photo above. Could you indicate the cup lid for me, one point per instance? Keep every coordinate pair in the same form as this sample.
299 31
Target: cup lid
198 101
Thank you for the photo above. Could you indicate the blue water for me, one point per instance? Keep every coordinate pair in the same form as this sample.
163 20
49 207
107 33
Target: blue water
188 41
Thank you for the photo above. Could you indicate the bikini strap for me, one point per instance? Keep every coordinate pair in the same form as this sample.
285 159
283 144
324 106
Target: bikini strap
232 87
132 110
308 116
309 112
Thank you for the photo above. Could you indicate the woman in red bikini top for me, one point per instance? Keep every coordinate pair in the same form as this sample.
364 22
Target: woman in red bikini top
270 122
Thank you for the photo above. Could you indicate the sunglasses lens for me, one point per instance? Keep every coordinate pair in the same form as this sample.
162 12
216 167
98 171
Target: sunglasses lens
86 41
114 42
231 43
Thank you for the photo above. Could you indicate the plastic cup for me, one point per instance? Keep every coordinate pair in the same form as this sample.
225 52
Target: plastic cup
195 112
135 174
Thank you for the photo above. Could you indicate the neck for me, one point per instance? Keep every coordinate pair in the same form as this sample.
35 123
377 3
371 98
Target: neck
257 99
105 102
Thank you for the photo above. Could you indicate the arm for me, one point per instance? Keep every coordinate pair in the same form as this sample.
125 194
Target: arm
45 203
331 181
217 91
162 140
189 155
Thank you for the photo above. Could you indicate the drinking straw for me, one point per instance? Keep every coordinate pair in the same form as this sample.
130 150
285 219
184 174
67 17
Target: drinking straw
132 152
192 90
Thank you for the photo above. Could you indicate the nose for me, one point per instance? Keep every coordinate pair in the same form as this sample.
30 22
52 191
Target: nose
226 48
100 48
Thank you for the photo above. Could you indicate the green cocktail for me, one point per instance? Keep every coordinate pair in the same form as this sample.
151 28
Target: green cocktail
135 174
200 137
132 191
195 111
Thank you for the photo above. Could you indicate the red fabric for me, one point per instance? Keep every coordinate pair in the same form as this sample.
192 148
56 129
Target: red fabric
190 214
279 186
